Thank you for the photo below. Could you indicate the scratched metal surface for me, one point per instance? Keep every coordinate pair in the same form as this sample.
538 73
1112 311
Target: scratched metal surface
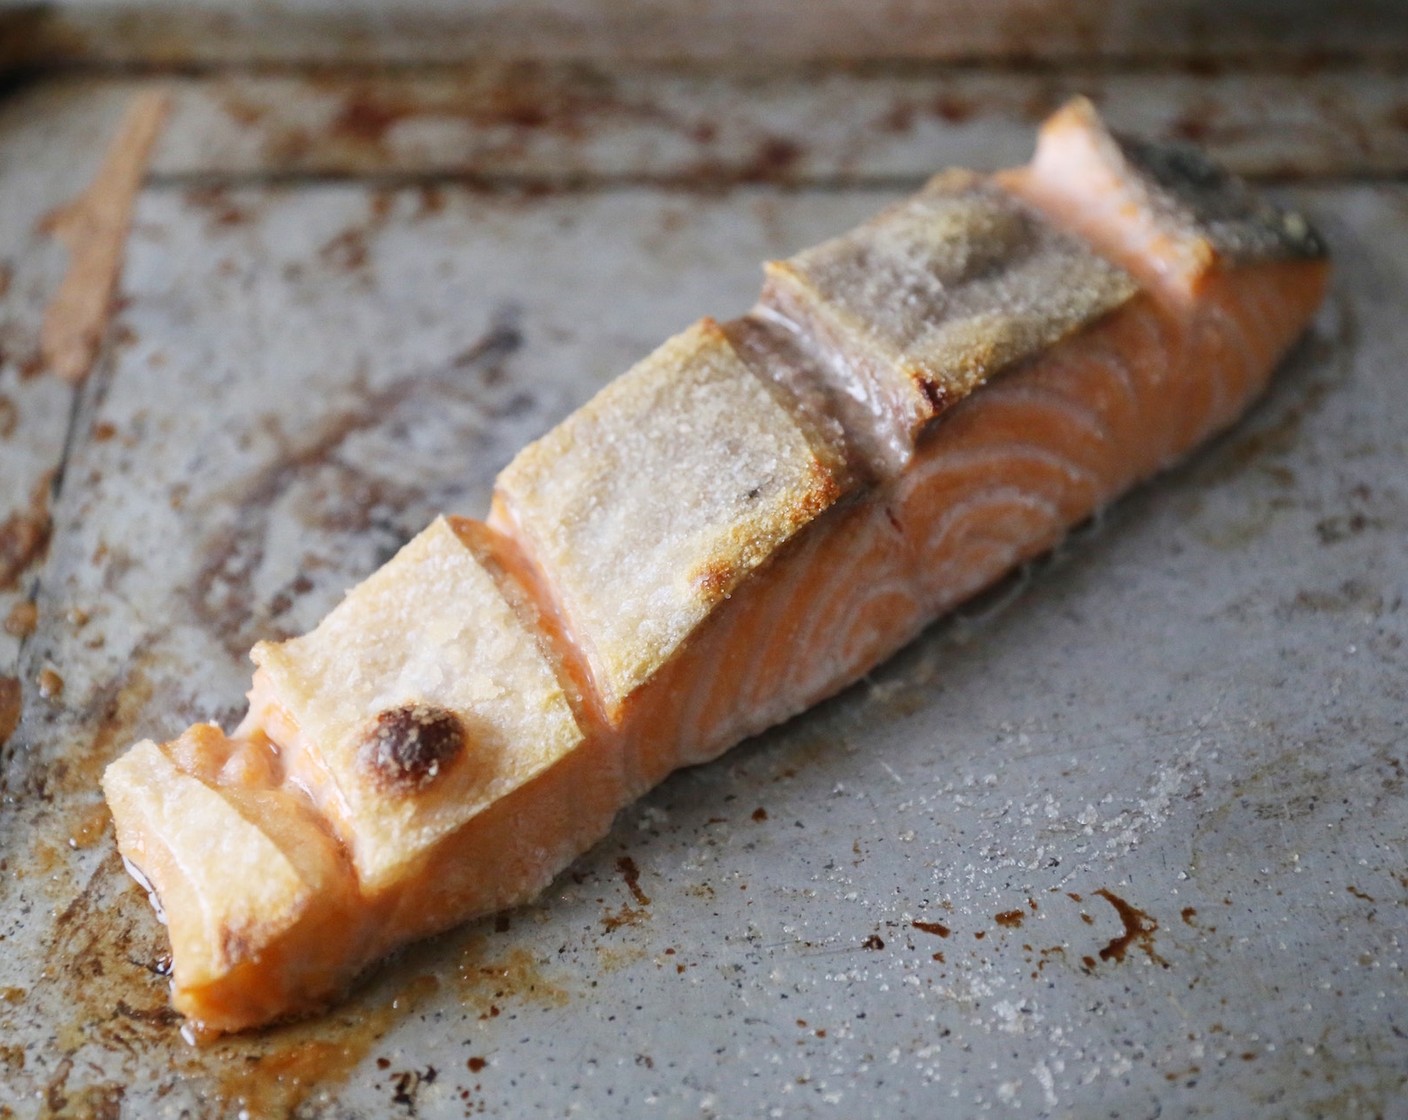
1196 707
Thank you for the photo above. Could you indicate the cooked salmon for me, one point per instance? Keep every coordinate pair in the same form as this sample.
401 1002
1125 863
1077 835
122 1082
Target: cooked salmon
743 524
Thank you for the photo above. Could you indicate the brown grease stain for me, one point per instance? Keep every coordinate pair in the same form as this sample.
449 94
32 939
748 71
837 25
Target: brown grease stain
484 984
366 118
51 685
899 117
44 858
106 986
933 927
627 866
275 1078
773 159
952 109
1048 954
347 251
1357 893
519 98
1139 930
505 109
430 200
1191 125
625 916
22 620
90 827
1009 919
509 104
11 705
114 710
289 1063
1188 913
874 941
215 201
760 814
24 535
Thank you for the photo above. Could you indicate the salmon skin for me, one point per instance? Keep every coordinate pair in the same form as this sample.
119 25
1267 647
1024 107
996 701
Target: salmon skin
746 522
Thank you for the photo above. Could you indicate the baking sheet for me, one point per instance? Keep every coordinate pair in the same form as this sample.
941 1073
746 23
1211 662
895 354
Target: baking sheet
1127 836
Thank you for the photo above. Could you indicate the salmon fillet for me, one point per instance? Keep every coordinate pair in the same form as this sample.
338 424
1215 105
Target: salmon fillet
743 524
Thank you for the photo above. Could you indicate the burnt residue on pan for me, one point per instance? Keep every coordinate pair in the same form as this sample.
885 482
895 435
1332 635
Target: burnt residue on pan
1139 930
107 987
350 497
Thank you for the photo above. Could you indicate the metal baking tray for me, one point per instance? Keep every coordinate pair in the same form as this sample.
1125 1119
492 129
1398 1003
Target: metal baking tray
1125 837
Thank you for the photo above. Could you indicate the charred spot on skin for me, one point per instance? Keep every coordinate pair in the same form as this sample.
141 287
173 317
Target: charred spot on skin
408 747
934 393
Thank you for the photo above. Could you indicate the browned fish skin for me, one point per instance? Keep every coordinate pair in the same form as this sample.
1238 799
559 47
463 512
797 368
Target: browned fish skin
916 308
